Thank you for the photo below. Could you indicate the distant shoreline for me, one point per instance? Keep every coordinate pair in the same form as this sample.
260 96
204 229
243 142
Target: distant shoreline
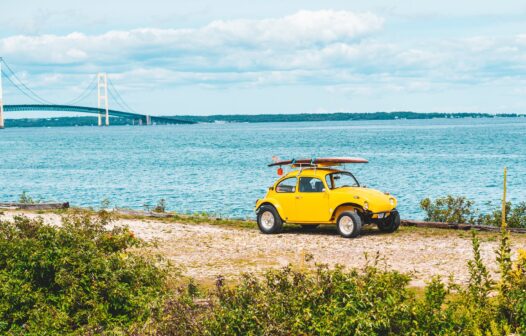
260 118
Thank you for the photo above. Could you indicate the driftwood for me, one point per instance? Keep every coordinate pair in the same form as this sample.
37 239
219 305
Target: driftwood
141 213
34 206
129 212
458 226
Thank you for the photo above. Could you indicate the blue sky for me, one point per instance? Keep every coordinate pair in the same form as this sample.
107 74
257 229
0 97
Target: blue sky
230 57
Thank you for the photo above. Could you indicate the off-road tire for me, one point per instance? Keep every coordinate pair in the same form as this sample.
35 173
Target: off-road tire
349 224
391 223
309 227
269 220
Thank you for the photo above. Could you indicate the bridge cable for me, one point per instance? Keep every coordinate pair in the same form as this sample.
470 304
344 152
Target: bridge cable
112 87
22 91
118 98
84 94
6 75
119 104
36 96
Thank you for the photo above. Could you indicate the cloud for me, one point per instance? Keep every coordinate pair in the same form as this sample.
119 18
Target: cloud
304 29
343 51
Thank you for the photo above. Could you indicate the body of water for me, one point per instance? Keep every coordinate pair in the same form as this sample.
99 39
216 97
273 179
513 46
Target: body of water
221 168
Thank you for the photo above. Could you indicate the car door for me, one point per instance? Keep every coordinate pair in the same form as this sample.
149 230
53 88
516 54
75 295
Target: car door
312 201
285 196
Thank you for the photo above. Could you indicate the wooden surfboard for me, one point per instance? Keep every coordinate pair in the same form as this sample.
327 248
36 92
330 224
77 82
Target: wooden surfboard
323 162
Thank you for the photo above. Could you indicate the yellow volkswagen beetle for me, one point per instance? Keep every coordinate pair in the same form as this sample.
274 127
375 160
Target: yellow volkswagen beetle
317 192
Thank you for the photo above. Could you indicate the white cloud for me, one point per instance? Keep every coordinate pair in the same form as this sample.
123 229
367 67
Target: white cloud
521 39
341 50
301 30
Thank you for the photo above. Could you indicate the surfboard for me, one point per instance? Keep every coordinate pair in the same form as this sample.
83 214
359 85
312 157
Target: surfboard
320 162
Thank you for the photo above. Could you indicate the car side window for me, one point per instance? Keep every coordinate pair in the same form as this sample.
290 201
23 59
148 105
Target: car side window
288 185
311 184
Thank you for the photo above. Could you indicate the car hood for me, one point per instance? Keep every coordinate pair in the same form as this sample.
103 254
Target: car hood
378 200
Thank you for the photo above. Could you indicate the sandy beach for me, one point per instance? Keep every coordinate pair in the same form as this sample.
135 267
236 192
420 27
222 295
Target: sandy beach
205 251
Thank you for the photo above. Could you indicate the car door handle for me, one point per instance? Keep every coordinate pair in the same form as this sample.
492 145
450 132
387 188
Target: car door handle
298 197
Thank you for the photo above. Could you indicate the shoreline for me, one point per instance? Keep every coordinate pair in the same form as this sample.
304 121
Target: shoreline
83 121
204 248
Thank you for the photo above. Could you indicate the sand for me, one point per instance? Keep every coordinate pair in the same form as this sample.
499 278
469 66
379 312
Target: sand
206 251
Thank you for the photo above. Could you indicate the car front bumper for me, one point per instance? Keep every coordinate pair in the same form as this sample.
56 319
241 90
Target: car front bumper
370 217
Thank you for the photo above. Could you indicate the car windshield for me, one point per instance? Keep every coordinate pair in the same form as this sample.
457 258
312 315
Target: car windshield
341 179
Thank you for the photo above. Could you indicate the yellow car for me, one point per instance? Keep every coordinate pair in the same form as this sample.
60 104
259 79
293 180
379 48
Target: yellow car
319 193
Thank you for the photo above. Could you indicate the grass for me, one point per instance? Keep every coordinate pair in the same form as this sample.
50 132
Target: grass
44 264
203 218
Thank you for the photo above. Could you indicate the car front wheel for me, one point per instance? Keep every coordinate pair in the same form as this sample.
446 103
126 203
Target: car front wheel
349 224
269 220
391 223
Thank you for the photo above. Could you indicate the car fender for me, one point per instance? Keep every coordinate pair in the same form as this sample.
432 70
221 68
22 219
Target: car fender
345 207
274 203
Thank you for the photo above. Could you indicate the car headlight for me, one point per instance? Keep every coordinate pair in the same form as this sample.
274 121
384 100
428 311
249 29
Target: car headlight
392 201
365 205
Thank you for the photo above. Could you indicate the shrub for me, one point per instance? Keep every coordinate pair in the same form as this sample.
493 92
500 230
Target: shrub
517 294
83 279
449 209
328 302
161 206
515 216
459 209
79 278
370 301
24 198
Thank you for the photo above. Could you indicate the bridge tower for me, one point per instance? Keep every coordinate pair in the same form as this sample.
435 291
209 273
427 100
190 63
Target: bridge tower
1 98
102 94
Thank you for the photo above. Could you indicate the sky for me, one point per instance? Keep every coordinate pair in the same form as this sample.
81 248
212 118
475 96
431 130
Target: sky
250 57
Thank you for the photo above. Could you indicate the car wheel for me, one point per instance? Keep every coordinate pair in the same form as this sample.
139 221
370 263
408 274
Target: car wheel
349 224
309 227
391 223
269 220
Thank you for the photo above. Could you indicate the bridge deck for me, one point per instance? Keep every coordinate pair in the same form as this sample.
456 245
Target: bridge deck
94 110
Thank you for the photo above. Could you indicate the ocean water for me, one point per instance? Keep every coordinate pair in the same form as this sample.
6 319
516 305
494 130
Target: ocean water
221 168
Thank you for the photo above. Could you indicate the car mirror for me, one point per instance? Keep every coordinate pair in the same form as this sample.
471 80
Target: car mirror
271 188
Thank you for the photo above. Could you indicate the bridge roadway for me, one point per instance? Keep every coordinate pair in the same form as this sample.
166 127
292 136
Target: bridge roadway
95 110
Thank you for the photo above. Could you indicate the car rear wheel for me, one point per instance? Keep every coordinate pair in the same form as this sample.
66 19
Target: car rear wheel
269 220
349 224
309 227
391 223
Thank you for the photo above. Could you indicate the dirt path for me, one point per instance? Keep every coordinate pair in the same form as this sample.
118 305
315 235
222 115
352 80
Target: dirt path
206 251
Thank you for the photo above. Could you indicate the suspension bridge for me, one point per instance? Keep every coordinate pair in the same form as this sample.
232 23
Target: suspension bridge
100 83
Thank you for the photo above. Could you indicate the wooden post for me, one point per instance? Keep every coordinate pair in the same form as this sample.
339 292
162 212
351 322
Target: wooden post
503 223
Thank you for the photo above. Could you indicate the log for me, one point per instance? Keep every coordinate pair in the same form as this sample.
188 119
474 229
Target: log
129 212
34 206
458 226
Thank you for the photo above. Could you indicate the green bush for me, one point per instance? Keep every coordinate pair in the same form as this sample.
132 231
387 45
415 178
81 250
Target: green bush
459 209
84 279
336 301
515 216
371 301
25 198
161 206
329 302
449 209
79 278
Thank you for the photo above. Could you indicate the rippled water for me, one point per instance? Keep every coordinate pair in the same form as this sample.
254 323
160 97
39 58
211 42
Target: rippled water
221 168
